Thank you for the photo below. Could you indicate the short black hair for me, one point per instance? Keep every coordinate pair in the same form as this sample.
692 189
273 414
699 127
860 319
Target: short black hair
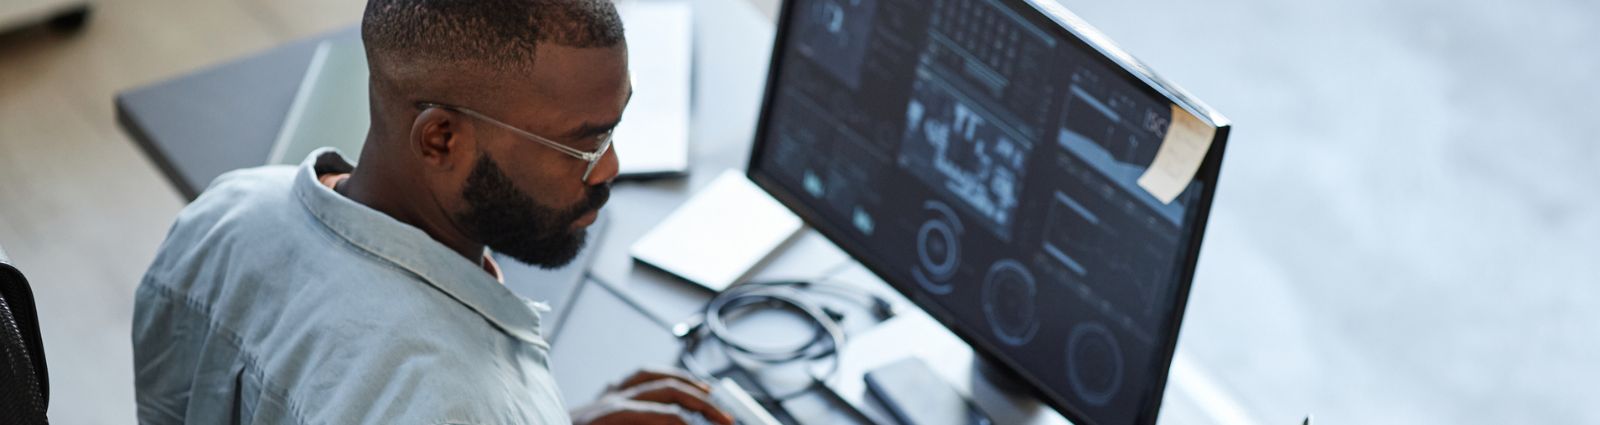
494 32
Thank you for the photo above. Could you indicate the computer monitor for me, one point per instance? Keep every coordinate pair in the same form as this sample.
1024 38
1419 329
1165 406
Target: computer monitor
993 160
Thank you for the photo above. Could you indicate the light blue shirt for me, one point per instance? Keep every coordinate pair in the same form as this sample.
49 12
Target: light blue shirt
275 300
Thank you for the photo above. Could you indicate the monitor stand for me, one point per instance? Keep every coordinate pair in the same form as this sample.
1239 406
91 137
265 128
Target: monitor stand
1002 380
995 385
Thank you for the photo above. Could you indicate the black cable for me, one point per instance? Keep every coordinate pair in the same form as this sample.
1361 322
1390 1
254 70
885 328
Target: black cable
824 344
737 301
827 339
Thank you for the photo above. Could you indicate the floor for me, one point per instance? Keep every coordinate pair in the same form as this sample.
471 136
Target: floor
81 209
1405 230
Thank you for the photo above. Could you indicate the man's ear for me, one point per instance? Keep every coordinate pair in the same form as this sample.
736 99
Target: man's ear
442 139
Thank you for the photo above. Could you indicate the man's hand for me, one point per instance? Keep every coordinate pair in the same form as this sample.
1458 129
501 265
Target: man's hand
652 397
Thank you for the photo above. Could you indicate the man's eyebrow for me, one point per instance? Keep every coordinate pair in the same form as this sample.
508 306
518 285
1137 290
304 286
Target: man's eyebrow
588 130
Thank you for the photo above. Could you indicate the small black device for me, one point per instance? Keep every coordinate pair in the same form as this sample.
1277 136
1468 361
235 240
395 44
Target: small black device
915 395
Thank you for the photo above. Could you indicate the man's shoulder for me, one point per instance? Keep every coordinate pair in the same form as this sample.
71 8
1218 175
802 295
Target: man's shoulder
250 208
246 188
247 199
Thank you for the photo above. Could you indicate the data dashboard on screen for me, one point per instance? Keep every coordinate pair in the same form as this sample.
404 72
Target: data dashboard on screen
985 161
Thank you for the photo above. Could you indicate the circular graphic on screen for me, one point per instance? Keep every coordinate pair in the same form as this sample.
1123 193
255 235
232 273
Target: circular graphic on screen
938 249
1094 363
1009 302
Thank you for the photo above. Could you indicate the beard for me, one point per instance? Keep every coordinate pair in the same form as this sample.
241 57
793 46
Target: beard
510 222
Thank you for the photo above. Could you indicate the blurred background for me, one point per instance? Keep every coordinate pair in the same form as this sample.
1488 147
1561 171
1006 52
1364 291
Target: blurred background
1406 228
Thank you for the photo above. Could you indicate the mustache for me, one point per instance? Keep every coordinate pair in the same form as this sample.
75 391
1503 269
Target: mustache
596 197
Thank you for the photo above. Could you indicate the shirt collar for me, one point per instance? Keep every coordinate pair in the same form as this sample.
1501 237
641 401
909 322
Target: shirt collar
411 249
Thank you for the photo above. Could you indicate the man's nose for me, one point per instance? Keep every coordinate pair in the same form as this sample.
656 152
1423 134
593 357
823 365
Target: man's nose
606 170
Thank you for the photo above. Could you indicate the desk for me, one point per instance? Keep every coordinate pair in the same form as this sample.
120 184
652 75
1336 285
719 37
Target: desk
198 126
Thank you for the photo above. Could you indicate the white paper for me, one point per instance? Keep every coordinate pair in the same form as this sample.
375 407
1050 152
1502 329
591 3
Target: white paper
1180 156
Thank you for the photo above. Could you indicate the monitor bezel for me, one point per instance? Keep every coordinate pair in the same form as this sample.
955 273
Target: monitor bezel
1073 30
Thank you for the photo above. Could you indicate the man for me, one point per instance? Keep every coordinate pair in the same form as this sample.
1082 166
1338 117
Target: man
332 294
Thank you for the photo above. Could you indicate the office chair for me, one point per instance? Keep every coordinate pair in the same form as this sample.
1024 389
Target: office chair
24 381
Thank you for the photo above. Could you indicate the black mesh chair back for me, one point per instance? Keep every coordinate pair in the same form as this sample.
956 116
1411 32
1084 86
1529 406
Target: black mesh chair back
24 381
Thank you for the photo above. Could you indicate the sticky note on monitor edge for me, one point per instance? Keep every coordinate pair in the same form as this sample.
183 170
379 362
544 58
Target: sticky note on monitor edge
1182 150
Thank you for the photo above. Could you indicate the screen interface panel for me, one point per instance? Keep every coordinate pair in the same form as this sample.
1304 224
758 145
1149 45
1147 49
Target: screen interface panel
985 162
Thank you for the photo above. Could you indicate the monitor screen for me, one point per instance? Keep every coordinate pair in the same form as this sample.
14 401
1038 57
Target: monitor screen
985 158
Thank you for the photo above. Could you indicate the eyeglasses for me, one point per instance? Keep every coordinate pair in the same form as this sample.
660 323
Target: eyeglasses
593 158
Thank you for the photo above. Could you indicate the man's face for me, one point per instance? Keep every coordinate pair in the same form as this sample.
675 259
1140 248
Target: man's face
530 201
511 222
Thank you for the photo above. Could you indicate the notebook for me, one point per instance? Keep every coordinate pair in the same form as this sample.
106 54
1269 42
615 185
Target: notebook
728 229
